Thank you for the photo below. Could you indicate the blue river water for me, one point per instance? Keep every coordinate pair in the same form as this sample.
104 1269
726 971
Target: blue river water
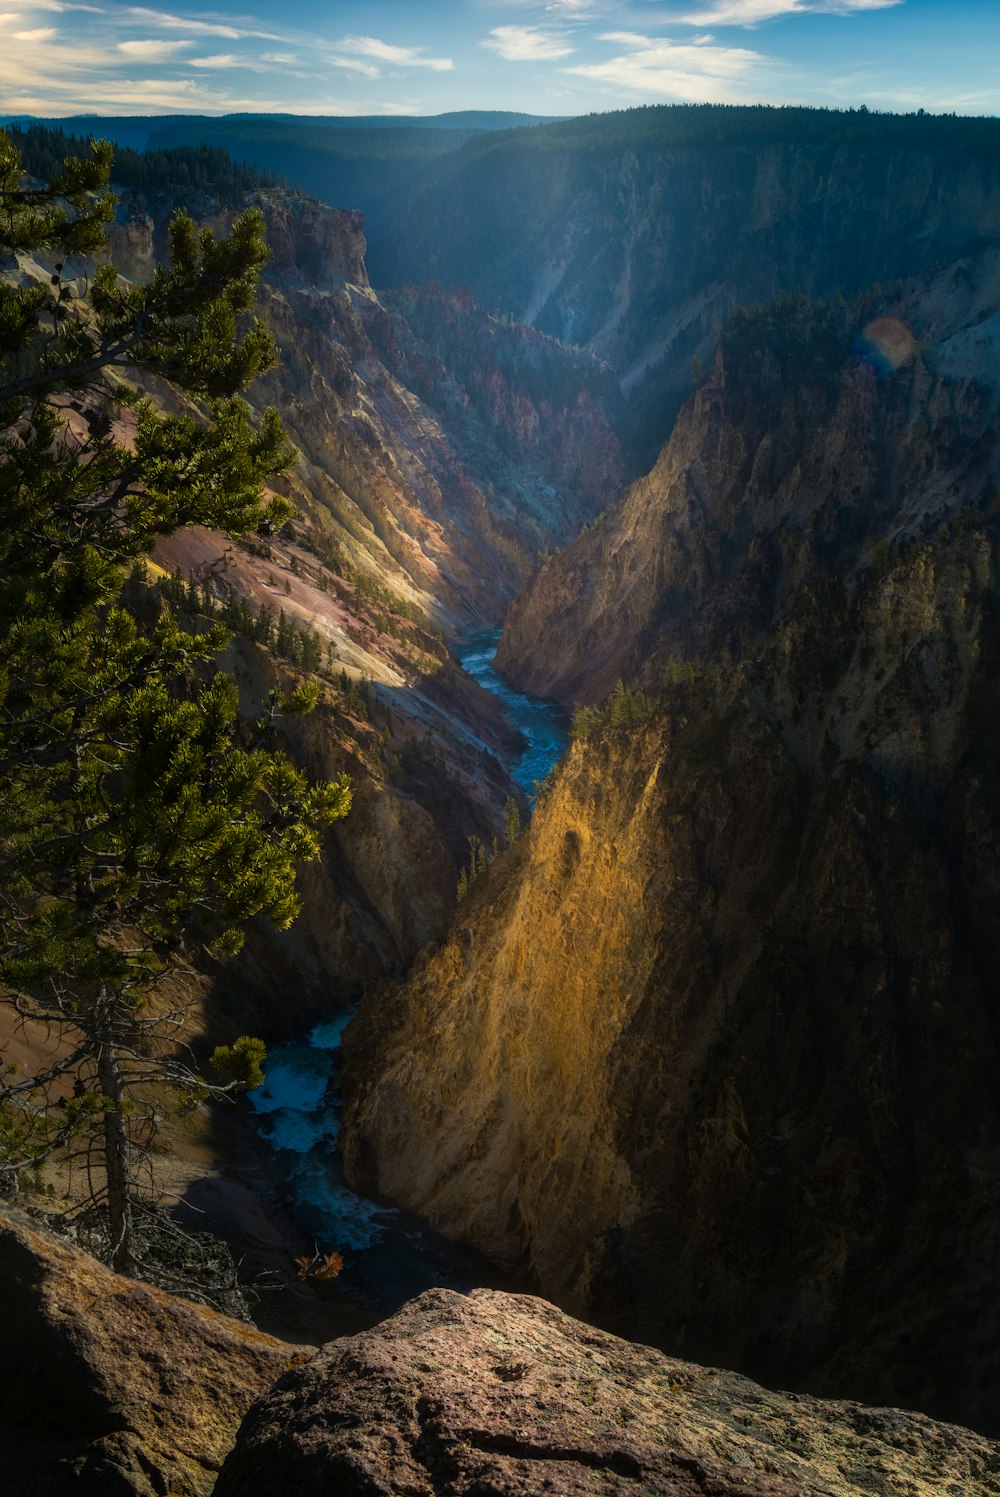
544 724
389 1256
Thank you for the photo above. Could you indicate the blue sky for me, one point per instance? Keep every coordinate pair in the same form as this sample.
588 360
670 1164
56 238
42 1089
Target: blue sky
542 56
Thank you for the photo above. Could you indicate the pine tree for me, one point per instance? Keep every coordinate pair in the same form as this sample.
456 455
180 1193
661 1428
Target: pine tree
132 821
511 821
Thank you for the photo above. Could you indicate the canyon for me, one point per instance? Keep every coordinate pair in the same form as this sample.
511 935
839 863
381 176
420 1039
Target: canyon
706 1053
440 450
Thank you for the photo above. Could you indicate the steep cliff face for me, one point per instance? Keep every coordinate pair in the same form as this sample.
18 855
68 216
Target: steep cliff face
539 406
818 433
432 469
433 503
385 884
711 1052
637 233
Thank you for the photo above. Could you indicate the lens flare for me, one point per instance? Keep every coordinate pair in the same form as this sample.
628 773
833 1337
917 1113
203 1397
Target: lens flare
886 344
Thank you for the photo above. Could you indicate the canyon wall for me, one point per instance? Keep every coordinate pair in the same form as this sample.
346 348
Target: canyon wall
435 460
432 503
710 1053
819 432
637 233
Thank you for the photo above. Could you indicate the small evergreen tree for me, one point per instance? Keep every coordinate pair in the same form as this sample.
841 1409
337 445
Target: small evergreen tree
511 821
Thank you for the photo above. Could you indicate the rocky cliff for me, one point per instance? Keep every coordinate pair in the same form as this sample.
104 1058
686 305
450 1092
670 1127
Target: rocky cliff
820 433
434 463
710 1052
433 505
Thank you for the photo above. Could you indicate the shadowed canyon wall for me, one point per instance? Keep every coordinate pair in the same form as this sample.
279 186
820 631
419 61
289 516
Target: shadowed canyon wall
637 233
710 1053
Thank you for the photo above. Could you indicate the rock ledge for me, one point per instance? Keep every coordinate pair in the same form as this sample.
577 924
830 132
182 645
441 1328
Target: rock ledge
492 1394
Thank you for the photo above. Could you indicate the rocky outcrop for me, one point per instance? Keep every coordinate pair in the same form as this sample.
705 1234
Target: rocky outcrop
314 244
112 1388
710 1053
492 1394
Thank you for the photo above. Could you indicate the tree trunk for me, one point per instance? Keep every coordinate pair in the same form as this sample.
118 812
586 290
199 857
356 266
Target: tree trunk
115 1154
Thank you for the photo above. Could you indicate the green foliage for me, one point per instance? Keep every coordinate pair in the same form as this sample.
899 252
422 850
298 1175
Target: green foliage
242 1061
202 168
133 819
623 709
652 128
479 861
511 821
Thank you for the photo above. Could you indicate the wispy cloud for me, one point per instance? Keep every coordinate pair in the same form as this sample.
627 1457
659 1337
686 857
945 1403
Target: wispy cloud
754 12
63 5
152 50
166 21
54 70
663 69
218 60
351 65
526 44
406 57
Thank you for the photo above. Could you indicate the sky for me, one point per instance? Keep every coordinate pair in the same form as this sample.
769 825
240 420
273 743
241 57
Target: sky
550 57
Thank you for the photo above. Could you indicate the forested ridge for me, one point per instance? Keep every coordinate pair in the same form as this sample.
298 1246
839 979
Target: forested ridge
203 167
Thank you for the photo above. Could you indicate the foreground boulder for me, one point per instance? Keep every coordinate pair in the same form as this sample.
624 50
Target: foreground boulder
492 1394
112 1388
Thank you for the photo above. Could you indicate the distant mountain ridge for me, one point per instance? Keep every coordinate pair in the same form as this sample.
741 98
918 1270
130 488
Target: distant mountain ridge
141 130
370 162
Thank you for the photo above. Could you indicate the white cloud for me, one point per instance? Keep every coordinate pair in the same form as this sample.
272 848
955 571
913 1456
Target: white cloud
58 5
675 70
625 38
152 51
218 60
352 65
407 57
753 12
526 44
168 22
40 34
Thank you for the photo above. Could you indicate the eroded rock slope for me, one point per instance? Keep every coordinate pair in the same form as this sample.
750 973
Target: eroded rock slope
636 233
711 1052
434 465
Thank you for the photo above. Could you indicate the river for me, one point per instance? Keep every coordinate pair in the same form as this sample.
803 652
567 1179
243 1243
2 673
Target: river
544 724
388 1255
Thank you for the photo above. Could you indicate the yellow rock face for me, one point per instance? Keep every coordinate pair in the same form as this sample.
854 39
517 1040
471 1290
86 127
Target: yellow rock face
711 1053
